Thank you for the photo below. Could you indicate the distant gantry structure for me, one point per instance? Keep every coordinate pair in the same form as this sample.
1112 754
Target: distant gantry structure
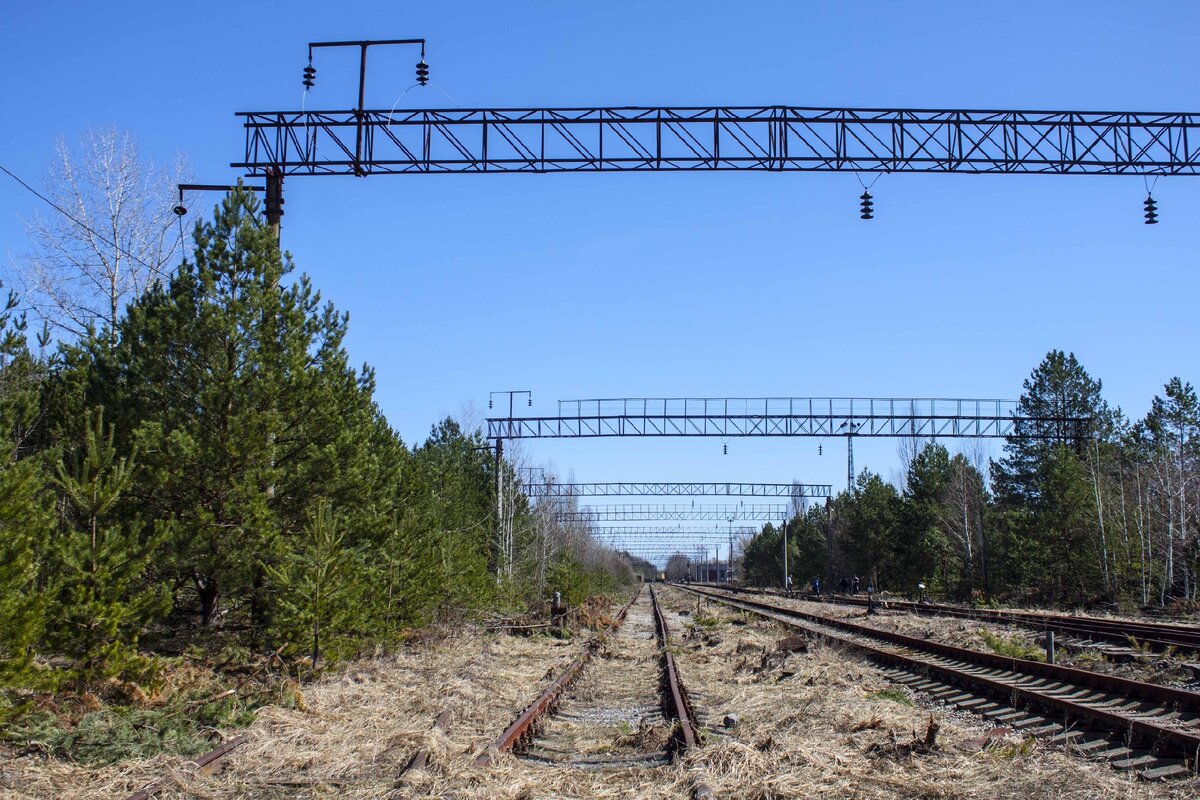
788 416
635 512
537 490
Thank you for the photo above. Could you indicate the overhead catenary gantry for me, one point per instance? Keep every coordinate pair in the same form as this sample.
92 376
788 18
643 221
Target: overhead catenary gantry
764 138
672 534
655 544
788 416
537 490
761 138
775 138
638 512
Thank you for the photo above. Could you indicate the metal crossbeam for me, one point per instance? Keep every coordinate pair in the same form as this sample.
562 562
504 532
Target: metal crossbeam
758 138
651 489
672 534
640 512
788 416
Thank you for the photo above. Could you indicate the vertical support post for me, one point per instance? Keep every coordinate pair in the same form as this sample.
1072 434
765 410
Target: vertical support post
729 573
850 459
1049 647
273 201
360 112
786 587
499 506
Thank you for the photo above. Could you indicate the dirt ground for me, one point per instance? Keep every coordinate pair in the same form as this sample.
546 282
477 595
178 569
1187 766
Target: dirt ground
809 724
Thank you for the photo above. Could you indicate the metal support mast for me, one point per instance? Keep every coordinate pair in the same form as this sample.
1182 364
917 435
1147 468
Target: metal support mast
503 535
850 462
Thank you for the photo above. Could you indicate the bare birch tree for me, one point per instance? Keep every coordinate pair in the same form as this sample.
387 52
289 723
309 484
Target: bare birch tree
119 238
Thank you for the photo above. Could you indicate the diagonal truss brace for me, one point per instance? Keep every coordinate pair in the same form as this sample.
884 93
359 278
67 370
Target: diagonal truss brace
810 417
717 138
683 489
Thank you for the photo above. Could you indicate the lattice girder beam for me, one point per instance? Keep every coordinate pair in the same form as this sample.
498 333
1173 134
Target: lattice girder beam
678 489
664 534
788 416
758 138
638 513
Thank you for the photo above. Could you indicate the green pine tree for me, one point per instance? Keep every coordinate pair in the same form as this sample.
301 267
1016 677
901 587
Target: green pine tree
1047 524
232 381
25 518
318 589
921 545
102 600
867 521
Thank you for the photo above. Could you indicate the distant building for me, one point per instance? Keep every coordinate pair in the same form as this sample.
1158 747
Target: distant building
709 572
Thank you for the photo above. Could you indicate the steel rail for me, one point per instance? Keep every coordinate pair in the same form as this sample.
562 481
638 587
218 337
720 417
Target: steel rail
1157 635
678 704
421 757
523 726
1010 677
206 764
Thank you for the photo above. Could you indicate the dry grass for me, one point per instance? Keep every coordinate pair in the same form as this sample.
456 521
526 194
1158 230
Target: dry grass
825 724
1023 642
815 724
355 729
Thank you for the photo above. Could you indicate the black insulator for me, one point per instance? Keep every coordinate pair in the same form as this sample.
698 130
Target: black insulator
1151 210
422 72
310 75
820 450
531 401
724 449
867 211
489 402
179 210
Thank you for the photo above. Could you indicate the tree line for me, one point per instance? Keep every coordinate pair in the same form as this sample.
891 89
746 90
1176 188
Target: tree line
1109 516
210 467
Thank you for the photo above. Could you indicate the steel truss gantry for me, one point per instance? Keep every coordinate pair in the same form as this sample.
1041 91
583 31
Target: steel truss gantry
644 512
788 416
660 534
739 138
651 489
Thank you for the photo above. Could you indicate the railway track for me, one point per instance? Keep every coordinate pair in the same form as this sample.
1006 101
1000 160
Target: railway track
629 710
1150 729
1084 630
206 764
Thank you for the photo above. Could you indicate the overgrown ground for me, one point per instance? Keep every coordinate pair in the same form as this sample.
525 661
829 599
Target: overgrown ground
825 724
1010 640
815 724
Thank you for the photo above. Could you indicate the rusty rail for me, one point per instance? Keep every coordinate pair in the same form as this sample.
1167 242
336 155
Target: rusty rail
993 674
1159 636
522 727
675 698
421 757
206 764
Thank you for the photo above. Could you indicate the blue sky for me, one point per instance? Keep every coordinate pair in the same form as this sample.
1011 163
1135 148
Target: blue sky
669 284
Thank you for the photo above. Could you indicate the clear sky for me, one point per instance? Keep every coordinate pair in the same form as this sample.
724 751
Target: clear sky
671 284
